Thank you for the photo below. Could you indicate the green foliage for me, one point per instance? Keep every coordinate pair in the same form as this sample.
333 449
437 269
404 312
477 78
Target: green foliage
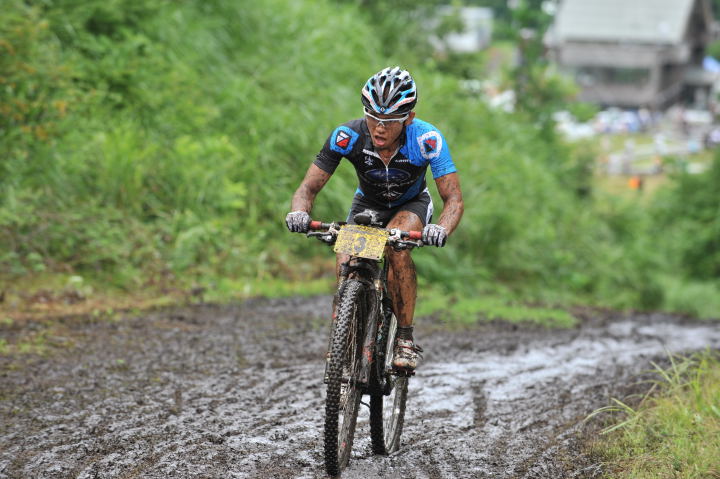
507 20
688 215
401 26
715 5
698 298
150 139
470 309
582 111
675 433
714 49
169 126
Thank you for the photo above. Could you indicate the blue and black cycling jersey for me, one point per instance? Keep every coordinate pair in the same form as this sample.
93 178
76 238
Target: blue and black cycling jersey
403 178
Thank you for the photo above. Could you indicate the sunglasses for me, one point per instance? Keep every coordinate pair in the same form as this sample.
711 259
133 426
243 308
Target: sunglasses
386 121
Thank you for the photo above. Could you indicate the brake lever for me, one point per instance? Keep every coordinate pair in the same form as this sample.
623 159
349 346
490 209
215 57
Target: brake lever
323 236
400 245
394 235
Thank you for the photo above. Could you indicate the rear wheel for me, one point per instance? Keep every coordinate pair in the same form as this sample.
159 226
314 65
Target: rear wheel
343 391
387 411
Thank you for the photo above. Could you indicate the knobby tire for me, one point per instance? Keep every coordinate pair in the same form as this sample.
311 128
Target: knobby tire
343 395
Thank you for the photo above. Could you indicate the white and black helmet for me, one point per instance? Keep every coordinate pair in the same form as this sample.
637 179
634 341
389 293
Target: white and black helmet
390 91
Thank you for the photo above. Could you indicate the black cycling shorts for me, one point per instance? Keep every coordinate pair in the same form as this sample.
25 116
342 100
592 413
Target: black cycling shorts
421 205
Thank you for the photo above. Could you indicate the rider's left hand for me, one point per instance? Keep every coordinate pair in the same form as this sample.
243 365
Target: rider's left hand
435 235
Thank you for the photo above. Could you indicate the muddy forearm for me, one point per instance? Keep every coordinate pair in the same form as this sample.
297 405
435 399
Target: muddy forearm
453 206
452 212
303 199
304 196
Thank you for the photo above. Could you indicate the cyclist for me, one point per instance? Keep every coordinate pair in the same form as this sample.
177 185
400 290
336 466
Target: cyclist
390 149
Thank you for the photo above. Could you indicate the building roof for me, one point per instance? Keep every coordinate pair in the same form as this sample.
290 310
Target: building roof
640 21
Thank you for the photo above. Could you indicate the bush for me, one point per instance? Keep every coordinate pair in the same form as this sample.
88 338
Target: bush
687 216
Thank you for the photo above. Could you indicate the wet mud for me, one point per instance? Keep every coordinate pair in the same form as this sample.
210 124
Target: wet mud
236 392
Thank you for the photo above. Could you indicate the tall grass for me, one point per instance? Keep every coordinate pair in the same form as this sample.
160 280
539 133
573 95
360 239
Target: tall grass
675 431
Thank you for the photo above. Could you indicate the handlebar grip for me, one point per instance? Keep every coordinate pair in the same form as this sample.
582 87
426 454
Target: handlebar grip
316 225
415 235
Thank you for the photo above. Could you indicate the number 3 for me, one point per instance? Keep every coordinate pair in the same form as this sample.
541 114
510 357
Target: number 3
359 244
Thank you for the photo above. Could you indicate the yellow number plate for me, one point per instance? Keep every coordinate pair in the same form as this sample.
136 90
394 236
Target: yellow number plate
362 241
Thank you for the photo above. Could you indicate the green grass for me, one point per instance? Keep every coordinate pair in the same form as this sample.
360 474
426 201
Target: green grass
675 430
487 307
226 289
696 298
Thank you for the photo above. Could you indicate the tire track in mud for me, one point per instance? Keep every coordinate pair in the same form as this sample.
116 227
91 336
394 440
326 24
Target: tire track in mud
225 392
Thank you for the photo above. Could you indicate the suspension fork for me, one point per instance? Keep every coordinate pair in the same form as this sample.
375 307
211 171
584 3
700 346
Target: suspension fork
373 346
372 322
371 276
384 320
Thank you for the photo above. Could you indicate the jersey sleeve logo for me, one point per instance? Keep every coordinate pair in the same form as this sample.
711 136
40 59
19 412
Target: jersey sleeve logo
343 140
430 144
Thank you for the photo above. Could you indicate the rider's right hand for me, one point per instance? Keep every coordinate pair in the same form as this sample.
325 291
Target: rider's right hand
298 221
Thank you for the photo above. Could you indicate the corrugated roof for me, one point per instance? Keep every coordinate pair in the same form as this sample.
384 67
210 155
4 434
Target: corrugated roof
644 21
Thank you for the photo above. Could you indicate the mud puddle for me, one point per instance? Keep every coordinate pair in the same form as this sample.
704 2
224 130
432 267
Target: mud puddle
213 392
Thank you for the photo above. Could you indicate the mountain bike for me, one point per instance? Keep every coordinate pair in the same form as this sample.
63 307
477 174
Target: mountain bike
360 346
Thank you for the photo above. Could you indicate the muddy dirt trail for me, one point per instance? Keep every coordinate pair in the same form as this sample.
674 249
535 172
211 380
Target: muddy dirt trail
223 392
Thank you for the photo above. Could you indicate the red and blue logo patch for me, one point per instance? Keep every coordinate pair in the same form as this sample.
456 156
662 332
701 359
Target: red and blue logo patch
430 144
343 139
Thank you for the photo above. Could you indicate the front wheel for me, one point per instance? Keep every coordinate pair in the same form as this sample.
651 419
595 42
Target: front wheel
387 412
343 389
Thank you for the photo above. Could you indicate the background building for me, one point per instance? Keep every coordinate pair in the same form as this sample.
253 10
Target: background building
634 53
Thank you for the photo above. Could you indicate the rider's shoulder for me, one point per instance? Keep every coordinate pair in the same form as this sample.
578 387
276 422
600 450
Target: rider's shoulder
353 125
425 140
419 127
344 137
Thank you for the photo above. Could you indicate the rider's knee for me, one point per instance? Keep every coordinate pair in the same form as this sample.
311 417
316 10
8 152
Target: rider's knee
398 258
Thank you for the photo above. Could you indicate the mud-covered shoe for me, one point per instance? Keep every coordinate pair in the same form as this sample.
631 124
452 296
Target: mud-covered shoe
406 354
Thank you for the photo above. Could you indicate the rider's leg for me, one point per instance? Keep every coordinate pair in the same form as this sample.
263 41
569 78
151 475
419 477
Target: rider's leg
402 285
402 281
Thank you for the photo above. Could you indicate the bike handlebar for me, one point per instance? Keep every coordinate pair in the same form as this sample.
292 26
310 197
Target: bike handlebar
411 235
319 225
